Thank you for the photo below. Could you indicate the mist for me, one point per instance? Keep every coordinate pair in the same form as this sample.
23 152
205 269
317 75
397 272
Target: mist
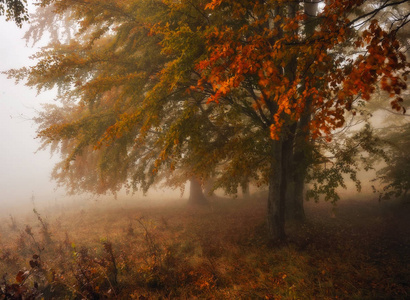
24 171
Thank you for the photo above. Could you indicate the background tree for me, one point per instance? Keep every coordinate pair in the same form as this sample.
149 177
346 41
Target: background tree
392 178
235 90
395 176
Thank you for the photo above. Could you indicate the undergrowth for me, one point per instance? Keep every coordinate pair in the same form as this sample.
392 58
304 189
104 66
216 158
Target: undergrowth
206 253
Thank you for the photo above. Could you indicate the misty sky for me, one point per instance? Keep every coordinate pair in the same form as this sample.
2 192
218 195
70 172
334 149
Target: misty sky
23 173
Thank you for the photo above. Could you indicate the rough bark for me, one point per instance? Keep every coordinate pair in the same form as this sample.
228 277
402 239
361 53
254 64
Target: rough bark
196 196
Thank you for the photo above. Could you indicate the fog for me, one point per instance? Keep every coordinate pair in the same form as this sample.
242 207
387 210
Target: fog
24 173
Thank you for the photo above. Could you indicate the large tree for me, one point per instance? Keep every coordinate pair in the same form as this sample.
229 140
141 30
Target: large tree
233 90
300 79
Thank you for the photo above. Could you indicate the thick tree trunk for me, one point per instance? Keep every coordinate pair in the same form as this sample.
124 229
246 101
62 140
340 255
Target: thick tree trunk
289 160
276 199
295 199
302 153
298 212
292 196
298 165
196 196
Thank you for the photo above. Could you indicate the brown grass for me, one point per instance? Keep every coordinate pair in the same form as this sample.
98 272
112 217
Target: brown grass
217 252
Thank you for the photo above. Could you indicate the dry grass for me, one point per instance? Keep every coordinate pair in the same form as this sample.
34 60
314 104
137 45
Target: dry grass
218 252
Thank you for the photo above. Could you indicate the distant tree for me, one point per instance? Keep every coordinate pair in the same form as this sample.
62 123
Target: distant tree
15 10
342 159
233 90
395 176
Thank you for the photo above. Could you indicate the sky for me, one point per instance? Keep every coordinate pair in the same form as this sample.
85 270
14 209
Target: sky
23 172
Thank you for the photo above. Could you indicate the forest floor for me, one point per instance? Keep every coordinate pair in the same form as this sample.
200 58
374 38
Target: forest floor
359 250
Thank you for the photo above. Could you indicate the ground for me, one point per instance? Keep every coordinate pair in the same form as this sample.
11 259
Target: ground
357 250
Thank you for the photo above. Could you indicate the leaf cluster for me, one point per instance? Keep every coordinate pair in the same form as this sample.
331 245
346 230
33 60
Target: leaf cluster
14 10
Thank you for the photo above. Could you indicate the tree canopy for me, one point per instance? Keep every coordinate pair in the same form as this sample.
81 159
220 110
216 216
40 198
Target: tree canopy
15 10
230 90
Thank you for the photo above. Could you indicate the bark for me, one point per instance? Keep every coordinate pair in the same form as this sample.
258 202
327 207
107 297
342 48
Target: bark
196 196
298 211
276 199
295 189
300 164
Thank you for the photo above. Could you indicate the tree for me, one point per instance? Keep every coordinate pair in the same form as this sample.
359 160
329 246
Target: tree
270 59
395 176
234 90
15 10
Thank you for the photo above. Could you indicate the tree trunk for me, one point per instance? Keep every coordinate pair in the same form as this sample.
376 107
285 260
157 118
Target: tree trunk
295 210
302 154
298 213
289 160
301 160
298 165
245 191
276 199
196 196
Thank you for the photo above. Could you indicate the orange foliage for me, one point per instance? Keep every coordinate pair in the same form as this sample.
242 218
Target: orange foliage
262 53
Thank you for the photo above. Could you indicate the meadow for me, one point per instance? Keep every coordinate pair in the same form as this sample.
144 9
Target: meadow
358 250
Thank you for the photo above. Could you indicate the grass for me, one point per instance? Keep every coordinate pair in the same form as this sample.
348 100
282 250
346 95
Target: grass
219 252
